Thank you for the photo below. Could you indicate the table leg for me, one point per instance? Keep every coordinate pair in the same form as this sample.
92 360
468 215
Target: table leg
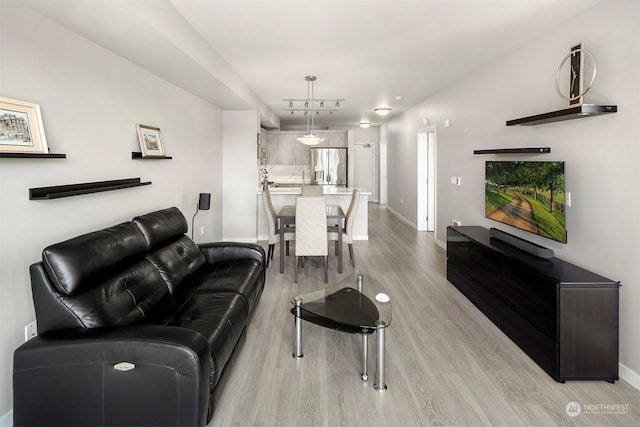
340 246
281 247
298 330
380 385
365 346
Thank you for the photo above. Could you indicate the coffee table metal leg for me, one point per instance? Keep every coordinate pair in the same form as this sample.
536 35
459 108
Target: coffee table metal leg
365 347
380 385
298 332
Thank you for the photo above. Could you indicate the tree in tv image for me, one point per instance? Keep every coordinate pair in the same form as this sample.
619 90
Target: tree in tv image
527 195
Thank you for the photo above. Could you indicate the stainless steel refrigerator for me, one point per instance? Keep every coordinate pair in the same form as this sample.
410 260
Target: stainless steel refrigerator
329 166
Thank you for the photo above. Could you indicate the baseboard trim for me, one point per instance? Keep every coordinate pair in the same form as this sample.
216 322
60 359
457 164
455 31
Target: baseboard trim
403 218
7 419
633 378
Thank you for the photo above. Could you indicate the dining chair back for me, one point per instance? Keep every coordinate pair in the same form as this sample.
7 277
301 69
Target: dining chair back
312 191
347 232
272 222
311 234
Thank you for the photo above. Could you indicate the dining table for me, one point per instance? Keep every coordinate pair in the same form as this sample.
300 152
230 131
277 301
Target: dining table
287 216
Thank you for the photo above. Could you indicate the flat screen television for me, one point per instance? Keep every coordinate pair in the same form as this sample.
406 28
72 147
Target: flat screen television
527 195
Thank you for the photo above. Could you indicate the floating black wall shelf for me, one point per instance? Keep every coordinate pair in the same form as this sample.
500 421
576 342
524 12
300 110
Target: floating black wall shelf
532 150
58 191
138 156
32 156
577 112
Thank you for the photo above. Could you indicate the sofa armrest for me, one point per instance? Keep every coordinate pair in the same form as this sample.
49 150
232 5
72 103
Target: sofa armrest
227 251
70 377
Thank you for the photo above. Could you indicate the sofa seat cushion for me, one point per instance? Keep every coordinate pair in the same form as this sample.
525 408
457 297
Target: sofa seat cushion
220 318
242 276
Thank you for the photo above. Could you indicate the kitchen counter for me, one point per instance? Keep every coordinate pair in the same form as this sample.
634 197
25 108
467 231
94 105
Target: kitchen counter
297 190
283 196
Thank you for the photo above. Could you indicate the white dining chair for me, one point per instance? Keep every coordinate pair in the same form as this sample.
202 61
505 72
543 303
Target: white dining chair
312 191
272 222
347 231
311 234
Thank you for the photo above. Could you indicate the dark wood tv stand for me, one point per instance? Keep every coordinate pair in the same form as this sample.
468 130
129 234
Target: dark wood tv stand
563 316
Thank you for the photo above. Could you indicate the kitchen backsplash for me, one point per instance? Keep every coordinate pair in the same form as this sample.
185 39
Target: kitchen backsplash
287 174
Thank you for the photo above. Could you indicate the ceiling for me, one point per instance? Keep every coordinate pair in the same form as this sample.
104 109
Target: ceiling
252 54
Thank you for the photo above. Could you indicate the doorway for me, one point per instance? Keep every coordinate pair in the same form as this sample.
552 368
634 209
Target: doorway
427 179
364 165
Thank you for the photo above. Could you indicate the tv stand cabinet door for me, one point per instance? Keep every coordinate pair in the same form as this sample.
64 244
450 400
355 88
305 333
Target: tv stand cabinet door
533 296
589 332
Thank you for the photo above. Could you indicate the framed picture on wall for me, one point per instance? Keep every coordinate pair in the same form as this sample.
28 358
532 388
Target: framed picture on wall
150 141
21 129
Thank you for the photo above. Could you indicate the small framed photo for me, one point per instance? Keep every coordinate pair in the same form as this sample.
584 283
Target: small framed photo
21 128
150 141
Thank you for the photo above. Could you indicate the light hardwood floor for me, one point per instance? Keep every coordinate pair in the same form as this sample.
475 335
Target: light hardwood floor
446 364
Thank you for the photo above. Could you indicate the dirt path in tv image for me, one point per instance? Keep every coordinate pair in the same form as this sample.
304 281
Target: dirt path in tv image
518 213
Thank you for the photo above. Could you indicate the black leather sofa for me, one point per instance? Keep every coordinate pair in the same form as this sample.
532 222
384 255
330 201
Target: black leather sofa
137 326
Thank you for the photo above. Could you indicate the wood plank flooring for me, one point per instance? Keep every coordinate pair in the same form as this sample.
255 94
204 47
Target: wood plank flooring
446 364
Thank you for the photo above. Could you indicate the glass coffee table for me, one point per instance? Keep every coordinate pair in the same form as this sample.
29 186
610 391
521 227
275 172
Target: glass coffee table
357 305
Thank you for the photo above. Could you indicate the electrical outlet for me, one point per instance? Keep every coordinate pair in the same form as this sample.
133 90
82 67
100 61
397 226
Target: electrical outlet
567 199
30 331
202 230
456 222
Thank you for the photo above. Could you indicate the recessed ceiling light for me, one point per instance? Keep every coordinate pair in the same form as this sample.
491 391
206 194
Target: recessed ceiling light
399 98
365 124
382 111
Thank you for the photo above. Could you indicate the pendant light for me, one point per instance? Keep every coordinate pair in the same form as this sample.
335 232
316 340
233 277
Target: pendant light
311 111
310 138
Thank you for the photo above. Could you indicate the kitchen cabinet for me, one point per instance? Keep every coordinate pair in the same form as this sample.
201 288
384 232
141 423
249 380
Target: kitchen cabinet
283 148
336 139
286 148
302 153
292 152
272 148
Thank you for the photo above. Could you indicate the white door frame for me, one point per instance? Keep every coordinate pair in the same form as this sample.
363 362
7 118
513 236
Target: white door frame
426 137
384 179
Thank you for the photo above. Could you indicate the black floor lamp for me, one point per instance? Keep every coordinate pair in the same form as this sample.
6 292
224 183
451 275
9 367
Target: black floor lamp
204 203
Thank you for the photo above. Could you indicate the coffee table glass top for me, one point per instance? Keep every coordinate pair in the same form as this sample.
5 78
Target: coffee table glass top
348 306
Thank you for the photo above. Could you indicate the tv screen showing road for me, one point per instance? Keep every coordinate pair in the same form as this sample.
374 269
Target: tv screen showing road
527 195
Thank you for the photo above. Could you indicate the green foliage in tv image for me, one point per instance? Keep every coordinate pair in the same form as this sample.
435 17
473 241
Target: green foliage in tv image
527 195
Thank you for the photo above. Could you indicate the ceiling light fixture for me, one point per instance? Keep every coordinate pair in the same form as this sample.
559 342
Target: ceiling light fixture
382 111
365 124
309 106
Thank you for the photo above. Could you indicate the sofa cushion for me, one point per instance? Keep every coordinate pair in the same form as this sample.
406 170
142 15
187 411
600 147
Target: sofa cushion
161 226
242 276
85 261
176 261
220 318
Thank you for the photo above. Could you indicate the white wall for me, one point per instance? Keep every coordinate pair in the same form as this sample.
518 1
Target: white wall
90 101
602 154
240 135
